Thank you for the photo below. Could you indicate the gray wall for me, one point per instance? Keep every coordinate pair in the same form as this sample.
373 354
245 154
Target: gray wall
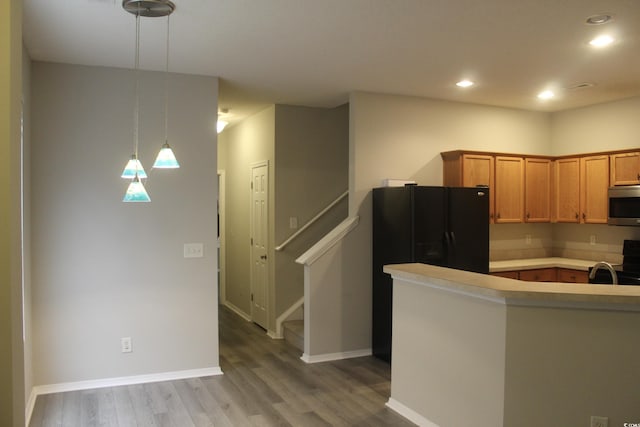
103 269
312 155
307 150
12 392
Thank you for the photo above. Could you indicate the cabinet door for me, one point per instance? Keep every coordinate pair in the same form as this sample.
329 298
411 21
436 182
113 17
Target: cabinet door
594 183
539 275
537 190
477 169
509 195
507 274
625 169
566 275
567 190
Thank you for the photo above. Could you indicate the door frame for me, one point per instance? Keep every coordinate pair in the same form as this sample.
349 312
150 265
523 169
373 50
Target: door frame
222 243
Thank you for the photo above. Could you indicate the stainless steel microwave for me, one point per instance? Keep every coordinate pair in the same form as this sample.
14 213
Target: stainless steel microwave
624 205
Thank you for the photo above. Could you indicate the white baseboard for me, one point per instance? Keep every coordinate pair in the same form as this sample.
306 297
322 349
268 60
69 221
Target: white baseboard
237 311
284 316
119 381
274 336
409 414
328 357
31 403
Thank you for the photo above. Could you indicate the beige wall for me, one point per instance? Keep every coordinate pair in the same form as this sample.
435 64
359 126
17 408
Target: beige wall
12 392
103 269
26 214
601 127
402 137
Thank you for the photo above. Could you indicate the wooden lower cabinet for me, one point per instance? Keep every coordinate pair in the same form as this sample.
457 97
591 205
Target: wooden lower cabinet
566 275
539 275
560 275
507 274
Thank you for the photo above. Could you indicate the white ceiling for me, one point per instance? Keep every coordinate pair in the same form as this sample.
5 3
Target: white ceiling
314 52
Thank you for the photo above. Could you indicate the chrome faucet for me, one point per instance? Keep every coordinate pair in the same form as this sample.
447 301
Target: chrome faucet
607 266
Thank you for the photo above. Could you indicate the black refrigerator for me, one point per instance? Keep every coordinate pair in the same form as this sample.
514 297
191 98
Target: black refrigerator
445 226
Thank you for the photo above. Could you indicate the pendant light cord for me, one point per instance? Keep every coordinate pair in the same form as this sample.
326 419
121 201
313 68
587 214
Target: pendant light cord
137 100
166 89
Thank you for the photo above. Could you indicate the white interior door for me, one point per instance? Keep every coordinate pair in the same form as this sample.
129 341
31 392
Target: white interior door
259 243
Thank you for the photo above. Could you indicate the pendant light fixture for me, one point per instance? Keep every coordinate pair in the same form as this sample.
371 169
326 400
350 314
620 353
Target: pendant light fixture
166 159
133 169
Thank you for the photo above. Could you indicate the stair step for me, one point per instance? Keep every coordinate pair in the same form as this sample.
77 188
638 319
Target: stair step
294 333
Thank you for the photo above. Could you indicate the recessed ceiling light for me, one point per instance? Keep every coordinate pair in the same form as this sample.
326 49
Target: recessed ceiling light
546 94
465 83
601 41
599 19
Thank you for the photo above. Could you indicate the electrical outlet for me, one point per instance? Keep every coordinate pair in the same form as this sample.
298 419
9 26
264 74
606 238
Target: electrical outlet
293 222
592 239
125 343
527 239
599 421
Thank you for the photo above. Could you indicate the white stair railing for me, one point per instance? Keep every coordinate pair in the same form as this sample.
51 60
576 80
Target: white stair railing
312 221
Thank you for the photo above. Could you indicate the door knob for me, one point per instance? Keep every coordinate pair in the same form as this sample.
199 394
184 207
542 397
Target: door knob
263 257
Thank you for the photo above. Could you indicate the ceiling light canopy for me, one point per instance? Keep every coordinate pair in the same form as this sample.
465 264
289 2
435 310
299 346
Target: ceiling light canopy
149 8
600 19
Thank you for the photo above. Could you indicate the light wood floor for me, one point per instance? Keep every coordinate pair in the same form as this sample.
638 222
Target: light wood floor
264 384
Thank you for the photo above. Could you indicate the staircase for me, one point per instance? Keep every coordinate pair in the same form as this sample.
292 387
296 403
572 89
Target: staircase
293 331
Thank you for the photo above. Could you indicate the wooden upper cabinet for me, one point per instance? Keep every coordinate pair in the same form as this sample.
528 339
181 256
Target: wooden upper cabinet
470 170
537 190
567 190
594 185
625 169
509 189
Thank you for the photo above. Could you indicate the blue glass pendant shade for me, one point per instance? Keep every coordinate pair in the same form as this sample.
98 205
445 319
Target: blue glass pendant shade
166 159
133 168
136 192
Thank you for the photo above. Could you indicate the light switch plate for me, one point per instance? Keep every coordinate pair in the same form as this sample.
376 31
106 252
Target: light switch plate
193 250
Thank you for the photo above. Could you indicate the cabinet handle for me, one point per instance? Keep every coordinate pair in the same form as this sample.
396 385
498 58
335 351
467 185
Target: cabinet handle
584 215
577 216
528 215
639 177
498 215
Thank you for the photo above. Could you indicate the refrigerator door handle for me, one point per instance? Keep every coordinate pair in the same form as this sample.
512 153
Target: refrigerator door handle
452 248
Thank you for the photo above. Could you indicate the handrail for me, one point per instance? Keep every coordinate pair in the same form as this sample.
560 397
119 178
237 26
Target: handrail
311 221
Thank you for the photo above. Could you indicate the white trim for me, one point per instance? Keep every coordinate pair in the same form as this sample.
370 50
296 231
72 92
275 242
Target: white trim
237 311
328 241
222 241
279 334
119 381
409 413
31 403
274 335
328 357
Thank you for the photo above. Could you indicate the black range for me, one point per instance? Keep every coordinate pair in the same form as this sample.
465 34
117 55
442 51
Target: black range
628 272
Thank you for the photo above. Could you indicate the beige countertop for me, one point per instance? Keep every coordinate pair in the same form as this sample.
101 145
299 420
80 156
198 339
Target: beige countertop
517 292
534 263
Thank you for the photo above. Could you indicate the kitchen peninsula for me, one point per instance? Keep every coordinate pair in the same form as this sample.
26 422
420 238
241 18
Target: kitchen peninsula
475 349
